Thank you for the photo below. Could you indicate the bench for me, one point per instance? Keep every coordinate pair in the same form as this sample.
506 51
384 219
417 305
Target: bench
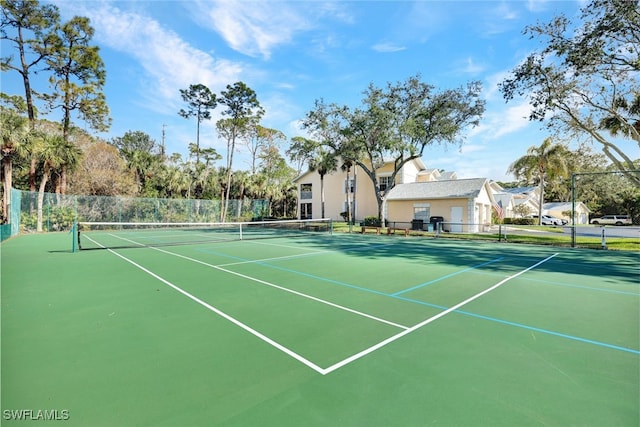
370 227
394 229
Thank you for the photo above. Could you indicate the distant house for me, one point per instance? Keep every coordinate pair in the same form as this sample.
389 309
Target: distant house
465 204
563 210
525 200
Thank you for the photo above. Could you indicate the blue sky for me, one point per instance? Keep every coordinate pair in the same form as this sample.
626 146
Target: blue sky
294 52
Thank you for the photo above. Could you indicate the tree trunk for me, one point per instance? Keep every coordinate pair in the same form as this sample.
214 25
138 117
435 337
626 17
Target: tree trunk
63 180
6 199
43 184
32 174
541 199
321 195
240 199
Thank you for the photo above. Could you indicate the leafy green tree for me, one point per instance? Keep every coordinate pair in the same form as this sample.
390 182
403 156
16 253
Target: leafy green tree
55 153
541 164
70 158
397 122
584 82
242 112
78 76
143 157
301 151
200 101
278 180
260 138
201 173
29 26
347 166
582 159
324 163
15 134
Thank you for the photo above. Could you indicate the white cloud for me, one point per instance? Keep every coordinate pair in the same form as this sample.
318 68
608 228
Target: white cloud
491 89
252 28
537 5
499 123
387 47
168 61
469 66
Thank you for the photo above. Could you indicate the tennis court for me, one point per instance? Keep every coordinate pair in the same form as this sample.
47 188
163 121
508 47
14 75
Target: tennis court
316 330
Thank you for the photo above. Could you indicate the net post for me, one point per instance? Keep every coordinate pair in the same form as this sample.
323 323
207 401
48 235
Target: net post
74 237
604 238
240 229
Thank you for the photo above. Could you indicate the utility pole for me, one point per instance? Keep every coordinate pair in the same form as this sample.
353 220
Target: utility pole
162 146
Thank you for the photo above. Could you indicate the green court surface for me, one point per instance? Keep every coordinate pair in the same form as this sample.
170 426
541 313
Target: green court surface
336 330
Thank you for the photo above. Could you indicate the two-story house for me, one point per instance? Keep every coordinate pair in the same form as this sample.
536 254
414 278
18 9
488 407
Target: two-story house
418 194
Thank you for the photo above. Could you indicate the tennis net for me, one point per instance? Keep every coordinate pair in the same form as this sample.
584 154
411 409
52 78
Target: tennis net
113 235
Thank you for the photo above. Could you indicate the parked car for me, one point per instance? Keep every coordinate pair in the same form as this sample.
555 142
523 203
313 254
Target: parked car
550 220
612 220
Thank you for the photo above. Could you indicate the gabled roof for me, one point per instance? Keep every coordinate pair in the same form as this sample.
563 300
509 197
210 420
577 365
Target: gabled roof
417 161
520 190
503 198
452 189
562 206
438 175
446 176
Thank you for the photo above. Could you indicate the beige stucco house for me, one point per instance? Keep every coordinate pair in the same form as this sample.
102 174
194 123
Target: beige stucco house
465 204
418 194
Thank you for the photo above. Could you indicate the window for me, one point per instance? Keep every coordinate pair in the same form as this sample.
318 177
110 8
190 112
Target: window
350 185
305 191
384 182
306 211
421 212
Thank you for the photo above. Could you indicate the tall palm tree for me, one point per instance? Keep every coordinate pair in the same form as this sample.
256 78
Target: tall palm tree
55 153
541 164
324 162
70 156
15 134
347 166
241 181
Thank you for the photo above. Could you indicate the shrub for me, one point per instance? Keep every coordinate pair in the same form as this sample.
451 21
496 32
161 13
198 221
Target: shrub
520 221
372 221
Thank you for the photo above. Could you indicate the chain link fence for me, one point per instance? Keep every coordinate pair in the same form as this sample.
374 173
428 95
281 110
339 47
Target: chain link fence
59 212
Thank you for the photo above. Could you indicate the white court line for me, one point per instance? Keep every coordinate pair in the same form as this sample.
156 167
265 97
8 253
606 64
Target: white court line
355 248
322 371
429 320
280 258
264 282
247 328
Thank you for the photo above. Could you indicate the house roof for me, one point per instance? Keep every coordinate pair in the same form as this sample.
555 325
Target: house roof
503 198
520 190
446 176
563 206
418 162
451 189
